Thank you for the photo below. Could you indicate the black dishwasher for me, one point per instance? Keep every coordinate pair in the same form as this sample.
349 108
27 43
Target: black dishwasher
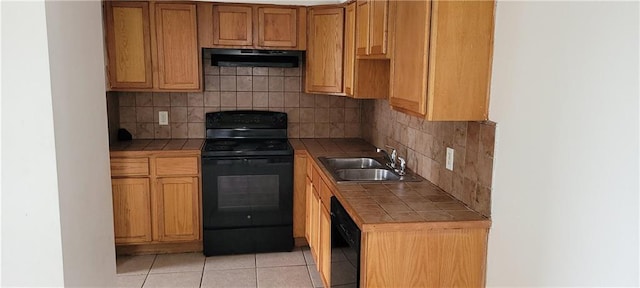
345 248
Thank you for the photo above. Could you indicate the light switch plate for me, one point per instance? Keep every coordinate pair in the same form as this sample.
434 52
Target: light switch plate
163 118
449 164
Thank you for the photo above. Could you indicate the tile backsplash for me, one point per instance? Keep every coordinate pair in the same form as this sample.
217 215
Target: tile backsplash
423 144
240 88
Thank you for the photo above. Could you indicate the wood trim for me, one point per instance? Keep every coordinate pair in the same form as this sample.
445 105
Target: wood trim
205 24
350 49
159 248
302 28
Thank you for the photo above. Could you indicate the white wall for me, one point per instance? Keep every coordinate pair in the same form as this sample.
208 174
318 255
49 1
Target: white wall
82 146
565 97
56 216
31 243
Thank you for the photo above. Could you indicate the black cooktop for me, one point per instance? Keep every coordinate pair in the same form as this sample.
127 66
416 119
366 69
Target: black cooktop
241 147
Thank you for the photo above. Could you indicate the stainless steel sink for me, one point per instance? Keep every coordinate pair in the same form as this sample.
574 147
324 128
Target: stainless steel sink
350 163
367 175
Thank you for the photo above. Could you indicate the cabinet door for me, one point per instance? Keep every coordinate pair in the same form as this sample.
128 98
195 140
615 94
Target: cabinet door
362 27
277 27
324 51
378 27
177 41
315 226
409 62
131 210
177 212
325 246
299 202
349 48
232 25
128 45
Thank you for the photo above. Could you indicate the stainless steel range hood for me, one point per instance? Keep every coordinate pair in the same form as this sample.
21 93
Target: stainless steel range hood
254 58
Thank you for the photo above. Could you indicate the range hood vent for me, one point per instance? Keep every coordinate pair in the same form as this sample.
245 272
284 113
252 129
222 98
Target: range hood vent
254 58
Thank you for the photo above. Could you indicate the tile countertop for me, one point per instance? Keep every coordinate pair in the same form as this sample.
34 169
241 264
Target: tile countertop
390 205
156 145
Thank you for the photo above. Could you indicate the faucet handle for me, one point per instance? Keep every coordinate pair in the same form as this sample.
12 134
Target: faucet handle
394 154
403 166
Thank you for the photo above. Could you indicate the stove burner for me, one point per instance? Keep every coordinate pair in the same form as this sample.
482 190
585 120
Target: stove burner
225 142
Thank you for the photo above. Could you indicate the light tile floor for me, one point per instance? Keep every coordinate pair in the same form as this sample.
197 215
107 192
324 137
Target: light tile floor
284 269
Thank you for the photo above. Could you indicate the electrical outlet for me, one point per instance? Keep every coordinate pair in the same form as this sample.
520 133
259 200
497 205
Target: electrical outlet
163 118
449 159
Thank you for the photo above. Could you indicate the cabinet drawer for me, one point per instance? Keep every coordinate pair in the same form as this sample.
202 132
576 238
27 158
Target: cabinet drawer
129 166
176 166
325 195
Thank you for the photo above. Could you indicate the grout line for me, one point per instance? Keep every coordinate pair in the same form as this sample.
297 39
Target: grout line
155 256
202 273
255 264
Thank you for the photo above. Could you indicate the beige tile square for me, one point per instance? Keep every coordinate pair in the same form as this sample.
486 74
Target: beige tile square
485 170
130 281
307 115
244 99
345 273
178 114
307 100
228 262
182 262
291 99
178 99
352 130
212 98
195 130
276 71
161 99
473 136
244 71
482 201
144 99
228 71
294 71
336 101
145 131
293 130
260 83
336 130
293 114
292 258
322 101
460 133
276 83
351 103
245 83
144 114
260 99
336 115
195 99
262 71
228 83
195 114
228 99
307 130
179 130
127 114
322 115
126 99
487 139
210 109
161 131
352 115
237 278
181 279
134 265
296 276
322 130
212 83
210 69
292 84
276 99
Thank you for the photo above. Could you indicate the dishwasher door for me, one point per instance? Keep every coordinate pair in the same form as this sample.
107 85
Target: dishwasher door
345 248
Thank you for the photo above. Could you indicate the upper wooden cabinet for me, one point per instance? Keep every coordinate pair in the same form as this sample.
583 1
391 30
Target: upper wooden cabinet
252 26
232 25
440 68
177 42
324 51
151 46
128 45
371 27
349 48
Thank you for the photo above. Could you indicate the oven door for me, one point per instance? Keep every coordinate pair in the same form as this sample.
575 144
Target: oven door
247 191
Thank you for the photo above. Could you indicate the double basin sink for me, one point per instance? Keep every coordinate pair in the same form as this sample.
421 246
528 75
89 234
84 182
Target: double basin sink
362 169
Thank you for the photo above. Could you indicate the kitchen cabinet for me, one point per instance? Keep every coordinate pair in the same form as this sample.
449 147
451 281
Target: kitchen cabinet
252 26
325 50
151 46
440 68
299 197
156 201
349 48
371 28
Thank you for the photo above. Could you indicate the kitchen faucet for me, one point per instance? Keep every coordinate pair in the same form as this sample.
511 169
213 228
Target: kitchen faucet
393 158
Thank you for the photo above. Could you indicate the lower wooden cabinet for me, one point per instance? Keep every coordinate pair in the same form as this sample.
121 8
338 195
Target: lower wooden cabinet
324 263
161 207
131 210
